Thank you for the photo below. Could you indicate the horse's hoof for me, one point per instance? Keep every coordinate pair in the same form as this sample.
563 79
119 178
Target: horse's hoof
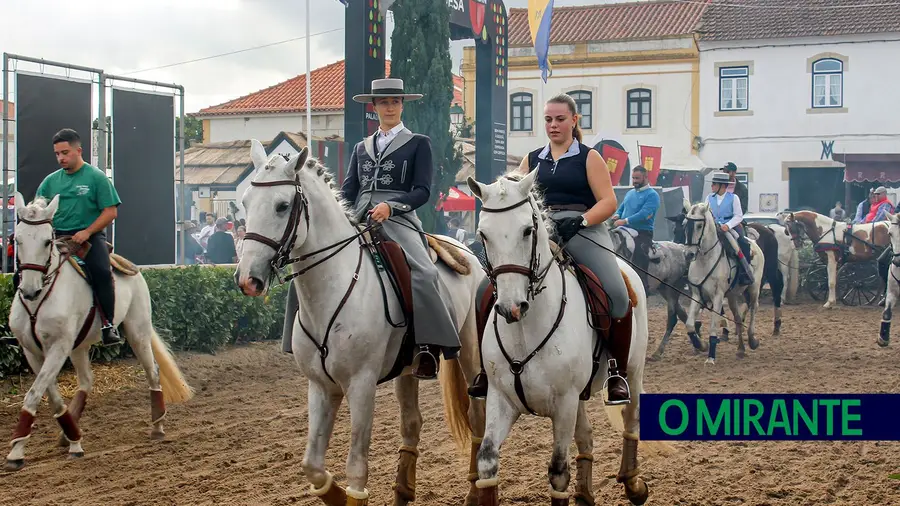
754 342
14 465
881 342
710 361
741 354
157 435
76 455
656 357
638 493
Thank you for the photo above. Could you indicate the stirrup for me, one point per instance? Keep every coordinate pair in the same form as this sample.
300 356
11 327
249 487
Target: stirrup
425 351
613 372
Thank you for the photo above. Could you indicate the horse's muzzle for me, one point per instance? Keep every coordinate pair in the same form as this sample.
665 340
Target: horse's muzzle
32 295
513 313
252 287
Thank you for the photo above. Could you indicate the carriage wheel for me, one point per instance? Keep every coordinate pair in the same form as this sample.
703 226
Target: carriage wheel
859 284
816 281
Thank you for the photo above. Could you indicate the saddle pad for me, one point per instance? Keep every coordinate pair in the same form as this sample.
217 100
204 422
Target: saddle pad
449 254
122 265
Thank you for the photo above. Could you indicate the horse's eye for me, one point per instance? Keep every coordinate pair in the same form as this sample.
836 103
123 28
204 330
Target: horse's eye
282 207
47 243
528 231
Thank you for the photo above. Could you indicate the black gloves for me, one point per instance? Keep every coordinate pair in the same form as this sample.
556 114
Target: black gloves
566 228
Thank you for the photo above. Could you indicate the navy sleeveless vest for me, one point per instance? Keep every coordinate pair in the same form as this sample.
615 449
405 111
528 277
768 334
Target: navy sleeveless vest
564 181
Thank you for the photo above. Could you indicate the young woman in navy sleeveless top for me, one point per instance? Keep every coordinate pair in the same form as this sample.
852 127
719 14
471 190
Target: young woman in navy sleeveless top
580 197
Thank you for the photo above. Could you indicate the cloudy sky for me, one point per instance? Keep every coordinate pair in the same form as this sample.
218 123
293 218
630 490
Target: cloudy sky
134 37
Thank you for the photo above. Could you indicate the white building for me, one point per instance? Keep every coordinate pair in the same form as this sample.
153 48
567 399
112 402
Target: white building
282 108
804 102
631 68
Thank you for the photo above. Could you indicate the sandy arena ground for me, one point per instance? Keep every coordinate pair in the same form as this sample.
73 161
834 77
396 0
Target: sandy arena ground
241 440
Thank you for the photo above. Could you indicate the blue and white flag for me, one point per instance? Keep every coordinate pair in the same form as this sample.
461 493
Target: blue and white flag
540 15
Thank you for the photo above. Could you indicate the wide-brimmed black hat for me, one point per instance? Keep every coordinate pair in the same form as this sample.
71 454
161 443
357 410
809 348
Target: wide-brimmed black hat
390 87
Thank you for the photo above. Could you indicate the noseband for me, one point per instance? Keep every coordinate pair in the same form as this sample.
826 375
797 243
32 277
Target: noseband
43 269
284 246
533 272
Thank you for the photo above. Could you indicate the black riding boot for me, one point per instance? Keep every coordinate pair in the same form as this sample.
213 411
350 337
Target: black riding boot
619 346
746 277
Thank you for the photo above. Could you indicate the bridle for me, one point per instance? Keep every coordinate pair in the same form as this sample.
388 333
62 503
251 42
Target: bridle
896 255
689 233
533 272
43 269
284 246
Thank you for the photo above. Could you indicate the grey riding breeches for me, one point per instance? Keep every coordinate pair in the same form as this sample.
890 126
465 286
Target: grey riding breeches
601 262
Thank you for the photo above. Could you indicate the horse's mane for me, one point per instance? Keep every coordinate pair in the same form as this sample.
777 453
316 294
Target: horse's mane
323 174
537 197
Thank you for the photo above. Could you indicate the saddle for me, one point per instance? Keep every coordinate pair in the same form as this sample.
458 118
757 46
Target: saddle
118 263
390 260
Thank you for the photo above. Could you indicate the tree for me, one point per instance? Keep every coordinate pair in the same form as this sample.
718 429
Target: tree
420 55
193 131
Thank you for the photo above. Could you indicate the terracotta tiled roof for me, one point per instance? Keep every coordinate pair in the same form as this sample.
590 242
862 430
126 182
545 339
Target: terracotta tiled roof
290 96
774 19
459 86
638 20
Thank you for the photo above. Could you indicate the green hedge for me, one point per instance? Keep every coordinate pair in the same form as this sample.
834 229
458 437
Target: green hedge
194 308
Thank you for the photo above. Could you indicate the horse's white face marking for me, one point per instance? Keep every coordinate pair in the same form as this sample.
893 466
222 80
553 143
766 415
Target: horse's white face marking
34 243
268 210
508 236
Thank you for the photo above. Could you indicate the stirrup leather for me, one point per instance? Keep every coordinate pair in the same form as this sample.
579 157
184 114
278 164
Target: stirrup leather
613 372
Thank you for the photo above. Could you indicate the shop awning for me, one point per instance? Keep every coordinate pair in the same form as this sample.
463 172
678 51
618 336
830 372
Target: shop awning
455 200
870 167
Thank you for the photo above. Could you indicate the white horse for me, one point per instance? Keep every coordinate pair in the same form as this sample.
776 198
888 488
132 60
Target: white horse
892 292
53 318
711 275
550 378
350 345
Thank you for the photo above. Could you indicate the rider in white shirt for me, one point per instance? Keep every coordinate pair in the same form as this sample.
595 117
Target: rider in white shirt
727 213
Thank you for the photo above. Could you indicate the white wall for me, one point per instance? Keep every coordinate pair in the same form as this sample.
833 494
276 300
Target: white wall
266 127
780 128
670 84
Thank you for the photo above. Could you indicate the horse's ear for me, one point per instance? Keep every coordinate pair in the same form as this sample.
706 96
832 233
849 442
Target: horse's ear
297 162
258 154
51 207
527 182
475 186
20 204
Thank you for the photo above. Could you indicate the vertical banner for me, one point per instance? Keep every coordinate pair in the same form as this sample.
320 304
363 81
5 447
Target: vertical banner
651 157
616 161
143 126
46 105
540 17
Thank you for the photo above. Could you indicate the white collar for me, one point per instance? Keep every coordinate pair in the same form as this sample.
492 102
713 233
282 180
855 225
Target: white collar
392 132
574 150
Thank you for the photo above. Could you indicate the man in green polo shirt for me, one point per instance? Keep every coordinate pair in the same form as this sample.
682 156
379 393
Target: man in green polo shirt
88 203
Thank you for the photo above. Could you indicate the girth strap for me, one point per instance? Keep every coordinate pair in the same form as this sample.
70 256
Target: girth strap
516 367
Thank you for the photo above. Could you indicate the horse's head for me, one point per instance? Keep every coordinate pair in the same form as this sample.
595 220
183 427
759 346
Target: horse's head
276 216
516 242
895 236
794 228
34 243
698 223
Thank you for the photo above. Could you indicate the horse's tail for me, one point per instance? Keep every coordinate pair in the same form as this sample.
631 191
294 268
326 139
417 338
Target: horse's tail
456 403
771 273
175 388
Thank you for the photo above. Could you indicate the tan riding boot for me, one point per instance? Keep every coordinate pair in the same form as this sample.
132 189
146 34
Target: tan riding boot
619 346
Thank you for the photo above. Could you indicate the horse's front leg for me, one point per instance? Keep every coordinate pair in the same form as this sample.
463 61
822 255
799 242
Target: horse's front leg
500 417
323 405
735 304
406 388
563 419
47 369
584 462
884 337
718 301
361 399
81 361
832 279
674 311
629 472
691 322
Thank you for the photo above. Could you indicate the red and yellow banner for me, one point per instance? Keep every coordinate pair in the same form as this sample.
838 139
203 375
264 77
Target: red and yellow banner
616 160
651 157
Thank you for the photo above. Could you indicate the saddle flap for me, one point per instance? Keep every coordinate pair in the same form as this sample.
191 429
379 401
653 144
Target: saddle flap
395 261
598 302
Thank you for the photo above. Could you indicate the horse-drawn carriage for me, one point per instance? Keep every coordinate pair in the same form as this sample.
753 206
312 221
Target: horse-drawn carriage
856 277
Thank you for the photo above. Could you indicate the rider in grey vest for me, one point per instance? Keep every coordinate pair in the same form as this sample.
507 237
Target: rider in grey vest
388 178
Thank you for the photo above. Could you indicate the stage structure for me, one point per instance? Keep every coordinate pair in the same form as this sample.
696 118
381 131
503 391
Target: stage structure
142 135
485 21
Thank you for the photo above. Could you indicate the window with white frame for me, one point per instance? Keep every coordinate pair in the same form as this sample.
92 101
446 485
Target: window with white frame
639 101
734 83
583 104
828 83
520 112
